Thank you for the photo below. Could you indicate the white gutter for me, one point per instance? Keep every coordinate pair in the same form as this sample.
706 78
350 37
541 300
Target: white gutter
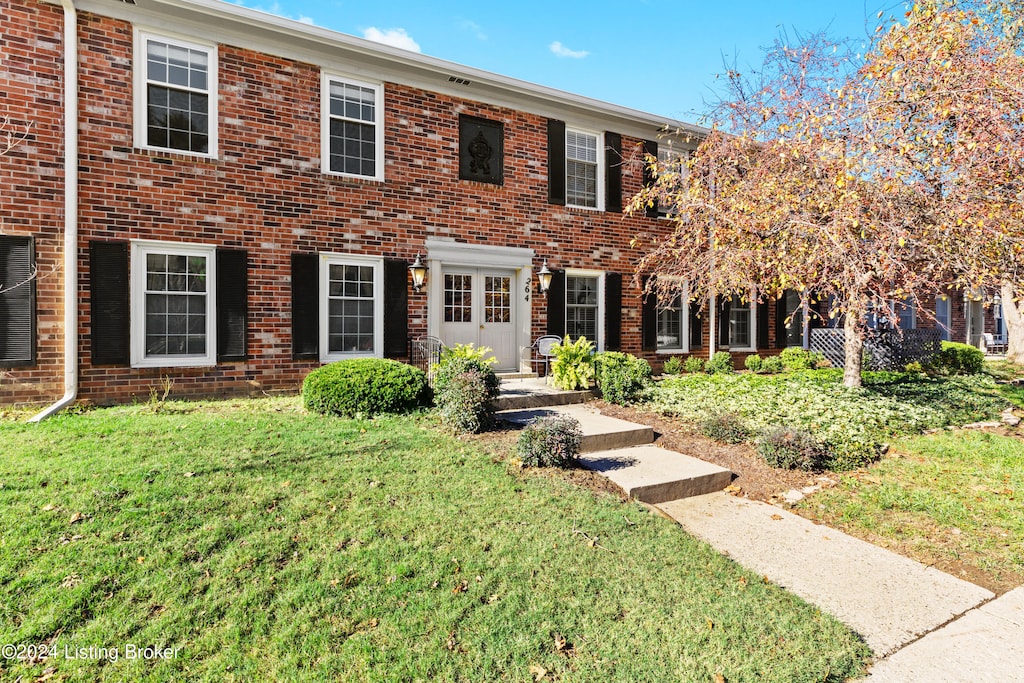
70 213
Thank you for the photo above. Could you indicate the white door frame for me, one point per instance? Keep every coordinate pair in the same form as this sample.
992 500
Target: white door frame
442 253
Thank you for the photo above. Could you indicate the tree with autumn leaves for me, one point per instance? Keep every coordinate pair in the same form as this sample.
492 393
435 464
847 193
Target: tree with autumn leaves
858 179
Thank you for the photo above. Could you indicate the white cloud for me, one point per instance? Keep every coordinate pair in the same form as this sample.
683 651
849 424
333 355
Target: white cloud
395 37
472 27
562 51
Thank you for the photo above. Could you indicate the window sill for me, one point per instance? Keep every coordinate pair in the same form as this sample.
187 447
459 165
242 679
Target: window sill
184 153
349 176
171 362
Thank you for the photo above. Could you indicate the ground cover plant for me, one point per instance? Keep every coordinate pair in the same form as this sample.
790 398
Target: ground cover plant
267 543
953 500
853 423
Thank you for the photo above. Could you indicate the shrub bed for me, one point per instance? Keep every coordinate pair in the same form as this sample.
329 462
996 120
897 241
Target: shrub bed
852 424
365 387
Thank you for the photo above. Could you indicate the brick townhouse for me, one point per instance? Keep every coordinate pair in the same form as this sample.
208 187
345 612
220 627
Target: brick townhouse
223 199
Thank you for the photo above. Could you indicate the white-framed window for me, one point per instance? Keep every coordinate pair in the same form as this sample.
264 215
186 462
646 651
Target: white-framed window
584 177
351 306
907 312
352 127
672 326
667 154
175 94
943 317
173 296
584 305
742 322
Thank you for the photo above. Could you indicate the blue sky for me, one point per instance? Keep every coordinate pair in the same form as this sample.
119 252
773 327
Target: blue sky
659 56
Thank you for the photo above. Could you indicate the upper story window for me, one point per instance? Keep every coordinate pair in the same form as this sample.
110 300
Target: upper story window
175 95
583 182
674 158
353 131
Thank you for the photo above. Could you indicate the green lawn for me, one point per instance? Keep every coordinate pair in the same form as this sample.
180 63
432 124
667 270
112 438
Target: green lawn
948 498
264 543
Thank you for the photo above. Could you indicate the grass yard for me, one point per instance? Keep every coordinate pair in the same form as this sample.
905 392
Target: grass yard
953 499
264 543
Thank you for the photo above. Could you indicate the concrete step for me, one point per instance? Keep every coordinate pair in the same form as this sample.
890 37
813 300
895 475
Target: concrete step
600 432
656 475
521 394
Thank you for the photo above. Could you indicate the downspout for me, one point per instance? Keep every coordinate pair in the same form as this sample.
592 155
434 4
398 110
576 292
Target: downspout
70 213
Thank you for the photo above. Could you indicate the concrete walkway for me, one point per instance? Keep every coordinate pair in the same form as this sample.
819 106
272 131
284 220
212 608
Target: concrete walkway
888 599
986 645
922 624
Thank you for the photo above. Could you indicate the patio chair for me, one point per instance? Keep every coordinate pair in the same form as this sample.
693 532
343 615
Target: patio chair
542 351
994 344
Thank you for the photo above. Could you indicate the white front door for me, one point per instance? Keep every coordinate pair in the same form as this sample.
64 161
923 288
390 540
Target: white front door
477 308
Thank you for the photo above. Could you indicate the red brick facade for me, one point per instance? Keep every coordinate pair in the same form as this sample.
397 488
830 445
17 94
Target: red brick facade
265 193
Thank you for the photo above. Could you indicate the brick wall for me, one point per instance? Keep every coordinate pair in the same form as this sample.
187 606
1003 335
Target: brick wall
265 193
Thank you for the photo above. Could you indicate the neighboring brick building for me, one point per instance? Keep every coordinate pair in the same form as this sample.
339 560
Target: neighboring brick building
252 190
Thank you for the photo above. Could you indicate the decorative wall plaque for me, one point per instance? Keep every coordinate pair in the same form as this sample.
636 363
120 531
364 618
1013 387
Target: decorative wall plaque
481 150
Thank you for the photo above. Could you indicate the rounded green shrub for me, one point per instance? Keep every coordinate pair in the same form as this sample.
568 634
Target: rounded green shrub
694 364
727 427
621 377
955 358
455 364
772 365
550 442
720 363
673 366
795 358
365 386
852 454
792 449
754 363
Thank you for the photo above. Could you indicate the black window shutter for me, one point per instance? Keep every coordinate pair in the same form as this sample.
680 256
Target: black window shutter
724 307
613 311
108 301
780 321
17 302
762 325
556 303
613 172
650 148
232 304
556 161
396 308
649 319
305 307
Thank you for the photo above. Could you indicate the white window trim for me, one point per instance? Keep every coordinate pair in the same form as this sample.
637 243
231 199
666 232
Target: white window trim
139 250
326 77
600 168
752 304
599 274
331 259
684 324
141 102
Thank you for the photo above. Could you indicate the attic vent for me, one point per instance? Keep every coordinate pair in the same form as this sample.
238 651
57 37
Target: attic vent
128 2
458 81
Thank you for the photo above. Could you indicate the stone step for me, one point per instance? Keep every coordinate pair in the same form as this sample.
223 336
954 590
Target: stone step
600 432
656 475
521 394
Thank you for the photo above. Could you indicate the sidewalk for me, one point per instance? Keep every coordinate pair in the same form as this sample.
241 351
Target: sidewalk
890 600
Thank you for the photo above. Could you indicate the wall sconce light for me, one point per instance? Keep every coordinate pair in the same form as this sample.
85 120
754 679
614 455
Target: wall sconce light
544 278
419 273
